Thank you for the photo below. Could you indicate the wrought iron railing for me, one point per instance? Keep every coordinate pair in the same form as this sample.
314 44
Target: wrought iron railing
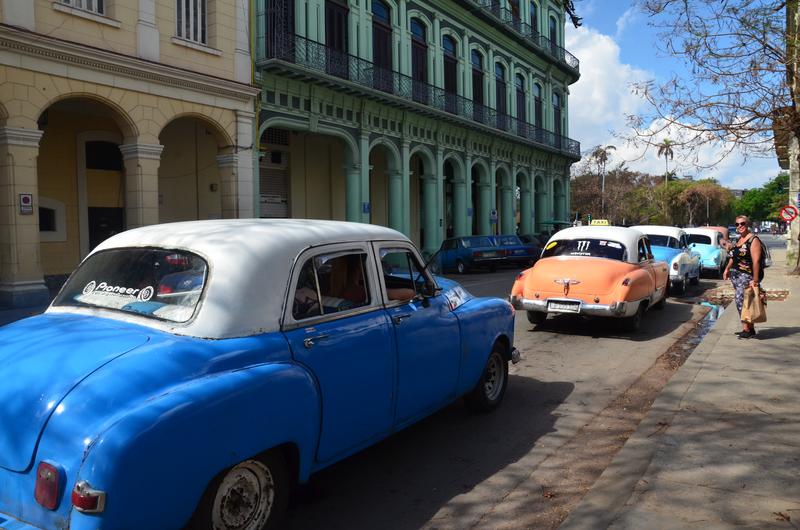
318 57
512 20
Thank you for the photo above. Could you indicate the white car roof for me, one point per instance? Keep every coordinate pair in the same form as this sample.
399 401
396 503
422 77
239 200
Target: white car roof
672 231
628 237
704 232
249 260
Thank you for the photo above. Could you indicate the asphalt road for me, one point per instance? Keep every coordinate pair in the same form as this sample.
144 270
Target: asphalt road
456 469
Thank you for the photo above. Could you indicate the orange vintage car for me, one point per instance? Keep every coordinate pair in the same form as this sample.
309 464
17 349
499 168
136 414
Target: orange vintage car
605 271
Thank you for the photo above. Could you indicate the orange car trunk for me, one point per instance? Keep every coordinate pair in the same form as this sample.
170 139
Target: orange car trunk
597 276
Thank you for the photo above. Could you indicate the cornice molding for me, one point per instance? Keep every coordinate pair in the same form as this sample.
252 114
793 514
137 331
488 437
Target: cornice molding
71 53
227 160
23 137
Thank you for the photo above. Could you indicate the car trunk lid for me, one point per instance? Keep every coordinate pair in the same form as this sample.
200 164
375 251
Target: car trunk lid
41 360
572 277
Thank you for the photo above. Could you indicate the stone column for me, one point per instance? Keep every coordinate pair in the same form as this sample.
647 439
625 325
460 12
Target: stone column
460 207
485 198
492 195
438 57
229 187
525 211
141 183
467 92
364 179
245 176
353 193
396 200
468 185
507 210
431 243
148 39
21 279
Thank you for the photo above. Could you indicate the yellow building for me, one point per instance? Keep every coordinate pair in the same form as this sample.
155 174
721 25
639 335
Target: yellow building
116 114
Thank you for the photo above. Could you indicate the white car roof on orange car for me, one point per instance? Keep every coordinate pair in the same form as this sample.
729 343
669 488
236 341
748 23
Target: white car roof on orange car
625 236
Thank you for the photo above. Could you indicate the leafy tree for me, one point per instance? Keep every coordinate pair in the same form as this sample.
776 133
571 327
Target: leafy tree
764 203
600 155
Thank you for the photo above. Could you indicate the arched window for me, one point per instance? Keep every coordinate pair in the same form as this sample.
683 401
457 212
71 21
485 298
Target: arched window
534 18
382 45
519 85
450 72
557 117
553 30
419 60
537 106
501 94
515 14
478 112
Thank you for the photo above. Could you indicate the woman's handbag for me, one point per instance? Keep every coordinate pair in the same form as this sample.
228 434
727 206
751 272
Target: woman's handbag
754 308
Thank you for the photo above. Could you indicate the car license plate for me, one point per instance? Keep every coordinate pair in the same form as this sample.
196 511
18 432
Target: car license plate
519 252
489 254
567 307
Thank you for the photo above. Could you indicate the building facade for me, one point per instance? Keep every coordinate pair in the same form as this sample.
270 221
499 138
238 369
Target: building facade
434 117
116 114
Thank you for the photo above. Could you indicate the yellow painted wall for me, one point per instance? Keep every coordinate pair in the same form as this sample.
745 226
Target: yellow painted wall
69 27
318 183
188 170
57 171
379 187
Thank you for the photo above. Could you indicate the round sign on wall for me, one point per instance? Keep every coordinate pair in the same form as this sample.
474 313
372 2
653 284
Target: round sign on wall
789 213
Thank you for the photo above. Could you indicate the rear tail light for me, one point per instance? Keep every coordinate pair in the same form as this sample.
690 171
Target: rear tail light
477 254
164 289
675 266
87 499
48 485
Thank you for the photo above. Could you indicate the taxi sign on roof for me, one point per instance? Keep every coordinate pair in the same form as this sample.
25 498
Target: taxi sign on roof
599 222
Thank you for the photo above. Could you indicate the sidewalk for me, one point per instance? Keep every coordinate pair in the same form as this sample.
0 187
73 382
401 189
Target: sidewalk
720 447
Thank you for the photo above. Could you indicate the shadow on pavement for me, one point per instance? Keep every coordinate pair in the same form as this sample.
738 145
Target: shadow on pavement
402 482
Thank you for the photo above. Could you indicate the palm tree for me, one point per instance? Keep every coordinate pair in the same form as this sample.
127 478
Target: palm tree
601 154
665 150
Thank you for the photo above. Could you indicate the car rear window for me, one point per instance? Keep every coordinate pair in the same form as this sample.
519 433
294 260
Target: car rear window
664 241
473 242
595 248
156 283
699 239
508 240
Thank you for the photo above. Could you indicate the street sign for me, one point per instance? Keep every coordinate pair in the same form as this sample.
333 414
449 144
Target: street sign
789 213
26 203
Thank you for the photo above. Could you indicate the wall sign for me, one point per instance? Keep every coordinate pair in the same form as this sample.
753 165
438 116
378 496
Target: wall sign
26 203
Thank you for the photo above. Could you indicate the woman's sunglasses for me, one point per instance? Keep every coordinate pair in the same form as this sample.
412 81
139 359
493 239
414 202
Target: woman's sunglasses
740 224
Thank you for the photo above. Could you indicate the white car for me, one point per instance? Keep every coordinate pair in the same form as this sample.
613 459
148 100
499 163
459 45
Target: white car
671 244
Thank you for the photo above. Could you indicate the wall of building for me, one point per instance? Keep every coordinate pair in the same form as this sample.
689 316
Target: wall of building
317 179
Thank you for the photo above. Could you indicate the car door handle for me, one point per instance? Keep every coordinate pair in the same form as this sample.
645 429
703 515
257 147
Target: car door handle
397 319
310 341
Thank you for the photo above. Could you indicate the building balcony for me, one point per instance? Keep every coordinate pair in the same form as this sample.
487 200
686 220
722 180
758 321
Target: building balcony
300 56
549 48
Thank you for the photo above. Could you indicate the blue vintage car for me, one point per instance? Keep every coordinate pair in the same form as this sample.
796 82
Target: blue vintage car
464 253
708 243
671 245
516 251
190 373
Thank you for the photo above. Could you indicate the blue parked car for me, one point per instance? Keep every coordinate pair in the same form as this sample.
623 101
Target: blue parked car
708 243
516 251
670 244
190 373
464 253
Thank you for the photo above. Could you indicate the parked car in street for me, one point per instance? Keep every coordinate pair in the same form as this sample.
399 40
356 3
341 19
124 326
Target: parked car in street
517 252
190 373
671 245
710 244
534 239
603 271
468 252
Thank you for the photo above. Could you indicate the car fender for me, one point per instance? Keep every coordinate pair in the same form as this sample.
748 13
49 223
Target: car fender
482 321
171 447
641 286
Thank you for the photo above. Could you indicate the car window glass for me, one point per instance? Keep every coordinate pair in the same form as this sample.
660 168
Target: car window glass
403 275
508 240
338 280
473 242
664 241
699 239
449 244
642 250
598 248
156 283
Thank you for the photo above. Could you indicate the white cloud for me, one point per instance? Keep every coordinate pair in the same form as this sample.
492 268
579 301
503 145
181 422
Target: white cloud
600 101
625 20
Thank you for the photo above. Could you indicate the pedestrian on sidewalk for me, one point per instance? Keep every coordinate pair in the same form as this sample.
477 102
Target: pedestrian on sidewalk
744 266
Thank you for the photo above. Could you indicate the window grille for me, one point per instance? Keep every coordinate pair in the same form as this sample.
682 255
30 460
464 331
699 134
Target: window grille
95 6
191 17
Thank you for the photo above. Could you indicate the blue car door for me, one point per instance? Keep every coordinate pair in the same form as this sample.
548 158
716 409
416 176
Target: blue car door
426 333
337 327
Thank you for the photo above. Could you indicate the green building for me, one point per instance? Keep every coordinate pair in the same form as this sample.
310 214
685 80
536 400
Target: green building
437 118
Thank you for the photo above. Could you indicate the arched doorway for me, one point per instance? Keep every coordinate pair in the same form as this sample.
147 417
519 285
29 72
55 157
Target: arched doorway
189 186
81 180
385 186
540 204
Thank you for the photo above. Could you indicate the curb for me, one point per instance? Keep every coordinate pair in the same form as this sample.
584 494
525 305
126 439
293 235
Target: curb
602 504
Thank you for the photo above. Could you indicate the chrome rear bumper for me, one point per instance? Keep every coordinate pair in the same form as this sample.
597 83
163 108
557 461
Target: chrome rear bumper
615 309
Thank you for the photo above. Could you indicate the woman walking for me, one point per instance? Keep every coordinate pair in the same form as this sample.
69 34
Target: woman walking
744 266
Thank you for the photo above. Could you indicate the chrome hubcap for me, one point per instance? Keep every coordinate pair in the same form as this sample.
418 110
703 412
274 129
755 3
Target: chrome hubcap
245 498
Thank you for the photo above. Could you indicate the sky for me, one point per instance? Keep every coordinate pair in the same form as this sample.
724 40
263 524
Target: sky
616 47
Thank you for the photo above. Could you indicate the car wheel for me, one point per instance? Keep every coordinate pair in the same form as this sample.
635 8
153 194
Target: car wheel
252 495
460 267
679 287
695 280
536 317
491 387
633 323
